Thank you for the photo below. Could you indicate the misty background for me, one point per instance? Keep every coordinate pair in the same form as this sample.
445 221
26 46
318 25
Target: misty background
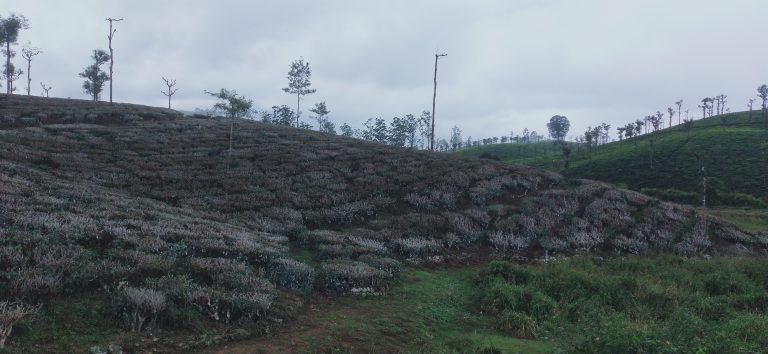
510 64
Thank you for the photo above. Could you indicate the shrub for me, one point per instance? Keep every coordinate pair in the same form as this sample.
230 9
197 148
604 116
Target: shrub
508 241
389 265
11 257
343 276
415 247
673 195
740 200
500 297
518 324
10 314
36 284
144 304
292 274
346 214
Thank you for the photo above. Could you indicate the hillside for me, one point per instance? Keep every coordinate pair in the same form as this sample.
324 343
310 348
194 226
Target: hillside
731 148
141 212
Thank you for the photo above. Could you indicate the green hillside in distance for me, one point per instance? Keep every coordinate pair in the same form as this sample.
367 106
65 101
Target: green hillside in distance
732 148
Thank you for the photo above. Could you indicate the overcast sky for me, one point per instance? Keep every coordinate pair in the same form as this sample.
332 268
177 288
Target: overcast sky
511 64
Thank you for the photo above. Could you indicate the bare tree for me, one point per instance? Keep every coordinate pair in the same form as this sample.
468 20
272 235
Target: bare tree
10 314
171 90
750 104
679 104
111 53
27 53
45 89
434 97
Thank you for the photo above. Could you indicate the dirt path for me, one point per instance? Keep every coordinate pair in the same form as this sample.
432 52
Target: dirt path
346 324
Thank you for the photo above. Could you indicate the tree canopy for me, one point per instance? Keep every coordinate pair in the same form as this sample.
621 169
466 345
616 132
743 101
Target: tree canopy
558 127
94 76
231 104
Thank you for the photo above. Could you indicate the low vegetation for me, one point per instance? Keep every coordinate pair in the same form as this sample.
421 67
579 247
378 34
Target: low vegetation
664 304
146 211
731 147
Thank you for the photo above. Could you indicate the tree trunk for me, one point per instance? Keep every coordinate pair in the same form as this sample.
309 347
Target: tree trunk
29 78
9 79
298 104
169 99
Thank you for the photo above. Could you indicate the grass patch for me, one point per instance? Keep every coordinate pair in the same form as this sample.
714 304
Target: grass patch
663 304
749 220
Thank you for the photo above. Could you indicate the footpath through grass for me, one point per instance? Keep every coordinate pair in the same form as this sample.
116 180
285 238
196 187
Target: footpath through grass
427 311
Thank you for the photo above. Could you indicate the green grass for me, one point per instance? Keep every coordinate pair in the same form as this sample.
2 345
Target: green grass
732 148
749 220
662 304
426 311
446 319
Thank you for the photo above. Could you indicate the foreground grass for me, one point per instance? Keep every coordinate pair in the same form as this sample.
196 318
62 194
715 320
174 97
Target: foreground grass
633 305
429 311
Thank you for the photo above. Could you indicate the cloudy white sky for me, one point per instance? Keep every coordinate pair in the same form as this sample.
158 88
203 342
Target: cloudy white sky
511 64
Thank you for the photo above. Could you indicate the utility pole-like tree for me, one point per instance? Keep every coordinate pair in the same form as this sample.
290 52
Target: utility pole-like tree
171 90
750 104
9 34
111 53
723 101
233 106
679 104
45 89
27 53
299 81
434 98
94 76
671 112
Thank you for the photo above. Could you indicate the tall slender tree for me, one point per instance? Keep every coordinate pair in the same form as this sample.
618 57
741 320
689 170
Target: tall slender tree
111 53
233 106
679 104
27 53
299 81
671 112
9 35
94 76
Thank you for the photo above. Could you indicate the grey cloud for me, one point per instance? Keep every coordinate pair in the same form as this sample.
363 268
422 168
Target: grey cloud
511 64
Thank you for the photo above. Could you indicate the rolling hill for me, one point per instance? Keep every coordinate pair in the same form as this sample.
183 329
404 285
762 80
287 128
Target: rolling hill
121 218
731 148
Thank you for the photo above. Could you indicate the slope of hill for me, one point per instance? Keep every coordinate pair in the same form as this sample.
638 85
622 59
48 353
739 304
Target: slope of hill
732 148
147 211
